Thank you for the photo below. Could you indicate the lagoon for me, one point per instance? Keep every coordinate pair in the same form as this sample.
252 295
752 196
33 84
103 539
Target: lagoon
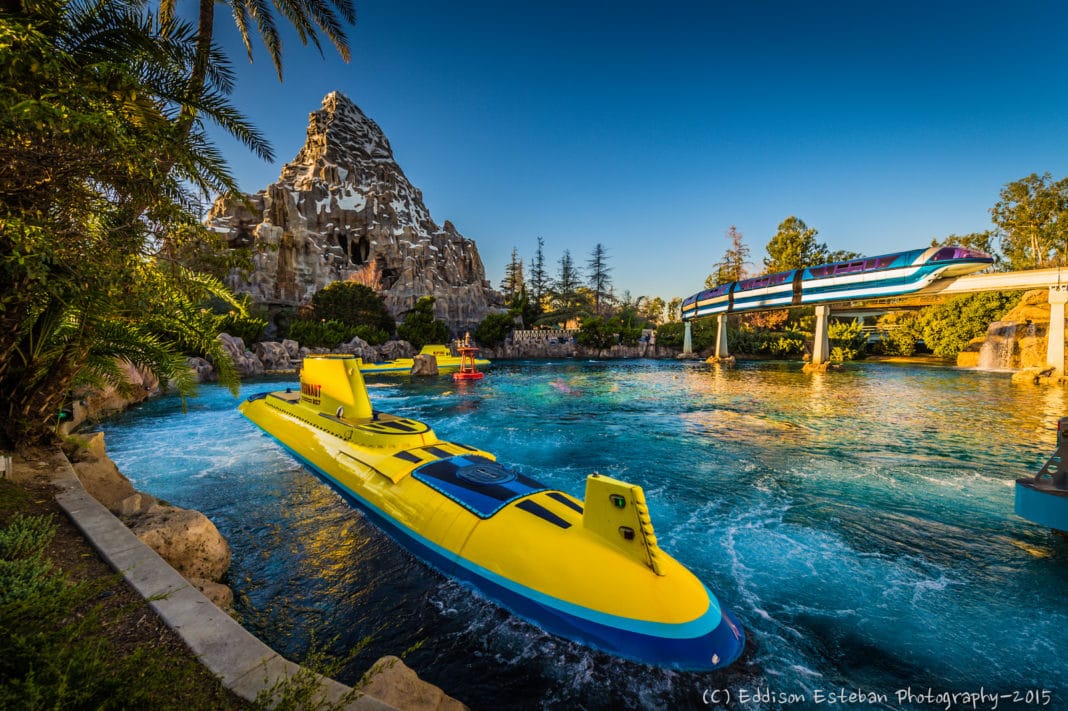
859 522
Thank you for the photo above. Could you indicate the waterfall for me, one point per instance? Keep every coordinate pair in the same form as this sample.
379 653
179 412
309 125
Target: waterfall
999 347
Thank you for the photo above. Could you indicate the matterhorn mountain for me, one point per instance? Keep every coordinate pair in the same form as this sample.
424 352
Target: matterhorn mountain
344 209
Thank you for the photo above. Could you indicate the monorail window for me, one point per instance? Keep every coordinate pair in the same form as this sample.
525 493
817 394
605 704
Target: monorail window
947 253
820 272
849 267
779 278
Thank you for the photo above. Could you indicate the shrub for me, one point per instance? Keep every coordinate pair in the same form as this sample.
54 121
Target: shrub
847 340
321 334
420 327
950 326
353 305
494 329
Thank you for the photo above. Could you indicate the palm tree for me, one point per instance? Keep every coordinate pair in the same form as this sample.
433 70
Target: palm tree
91 95
308 17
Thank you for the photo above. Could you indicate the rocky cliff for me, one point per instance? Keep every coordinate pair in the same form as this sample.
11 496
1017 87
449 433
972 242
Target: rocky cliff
343 209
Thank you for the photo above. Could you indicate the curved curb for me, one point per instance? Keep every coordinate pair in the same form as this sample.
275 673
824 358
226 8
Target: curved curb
245 665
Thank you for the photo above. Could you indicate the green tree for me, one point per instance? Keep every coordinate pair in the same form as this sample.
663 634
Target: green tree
513 281
652 310
600 281
674 310
494 329
732 266
900 332
87 97
352 304
1032 221
566 286
794 246
949 327
420 328
539 278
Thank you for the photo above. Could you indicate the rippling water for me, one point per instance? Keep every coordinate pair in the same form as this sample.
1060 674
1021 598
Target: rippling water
858 522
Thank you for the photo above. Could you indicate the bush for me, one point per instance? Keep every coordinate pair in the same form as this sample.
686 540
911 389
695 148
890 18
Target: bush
950 326
494 329
702 334
351 304
420 327
321 334
847 340
899 333
595 332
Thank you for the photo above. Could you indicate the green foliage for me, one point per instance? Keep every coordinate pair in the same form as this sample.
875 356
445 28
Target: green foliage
702 334
89 223
732 266
900 332
352 304
777 344
596 332
1032 220
794 246
328 334
26 537
494 329
950 326
420 328
54 652
846 339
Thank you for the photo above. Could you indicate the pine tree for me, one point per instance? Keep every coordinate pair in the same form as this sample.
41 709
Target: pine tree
600 281
539 278
513 281
732 267
567 283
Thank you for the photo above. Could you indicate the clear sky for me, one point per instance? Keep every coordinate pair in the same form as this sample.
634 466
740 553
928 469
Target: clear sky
652 128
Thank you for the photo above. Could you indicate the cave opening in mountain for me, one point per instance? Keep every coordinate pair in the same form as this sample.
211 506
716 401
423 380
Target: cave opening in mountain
357 249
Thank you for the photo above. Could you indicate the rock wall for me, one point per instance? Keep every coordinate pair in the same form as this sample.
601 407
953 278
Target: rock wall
343 209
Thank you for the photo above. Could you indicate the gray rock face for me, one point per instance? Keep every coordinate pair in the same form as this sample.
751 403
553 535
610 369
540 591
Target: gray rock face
343 209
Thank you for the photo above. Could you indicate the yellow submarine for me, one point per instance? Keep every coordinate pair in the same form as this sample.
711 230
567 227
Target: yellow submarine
446 361
589 571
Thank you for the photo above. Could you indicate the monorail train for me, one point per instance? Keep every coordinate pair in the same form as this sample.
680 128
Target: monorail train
860 278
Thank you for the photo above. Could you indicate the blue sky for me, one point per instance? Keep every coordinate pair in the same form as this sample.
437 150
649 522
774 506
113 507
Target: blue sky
652 130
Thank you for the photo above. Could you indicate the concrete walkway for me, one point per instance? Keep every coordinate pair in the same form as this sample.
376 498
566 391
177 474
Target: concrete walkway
245 665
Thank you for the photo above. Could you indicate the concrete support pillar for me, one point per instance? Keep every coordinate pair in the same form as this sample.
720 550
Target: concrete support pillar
821 347
687 339
1055 348
721 336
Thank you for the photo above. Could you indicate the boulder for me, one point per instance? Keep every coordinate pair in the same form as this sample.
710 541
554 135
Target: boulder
392 350
245 361
391 681
272 354
292 348
99 475
220 594
186 539
204 370
424 364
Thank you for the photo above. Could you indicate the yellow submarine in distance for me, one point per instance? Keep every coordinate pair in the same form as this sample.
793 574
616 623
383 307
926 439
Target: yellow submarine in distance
446 361
589 571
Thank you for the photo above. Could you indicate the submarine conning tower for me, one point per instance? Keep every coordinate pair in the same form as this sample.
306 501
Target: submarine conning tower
333 384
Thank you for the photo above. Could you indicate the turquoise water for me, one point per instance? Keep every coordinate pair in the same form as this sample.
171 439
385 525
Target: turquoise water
858 522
